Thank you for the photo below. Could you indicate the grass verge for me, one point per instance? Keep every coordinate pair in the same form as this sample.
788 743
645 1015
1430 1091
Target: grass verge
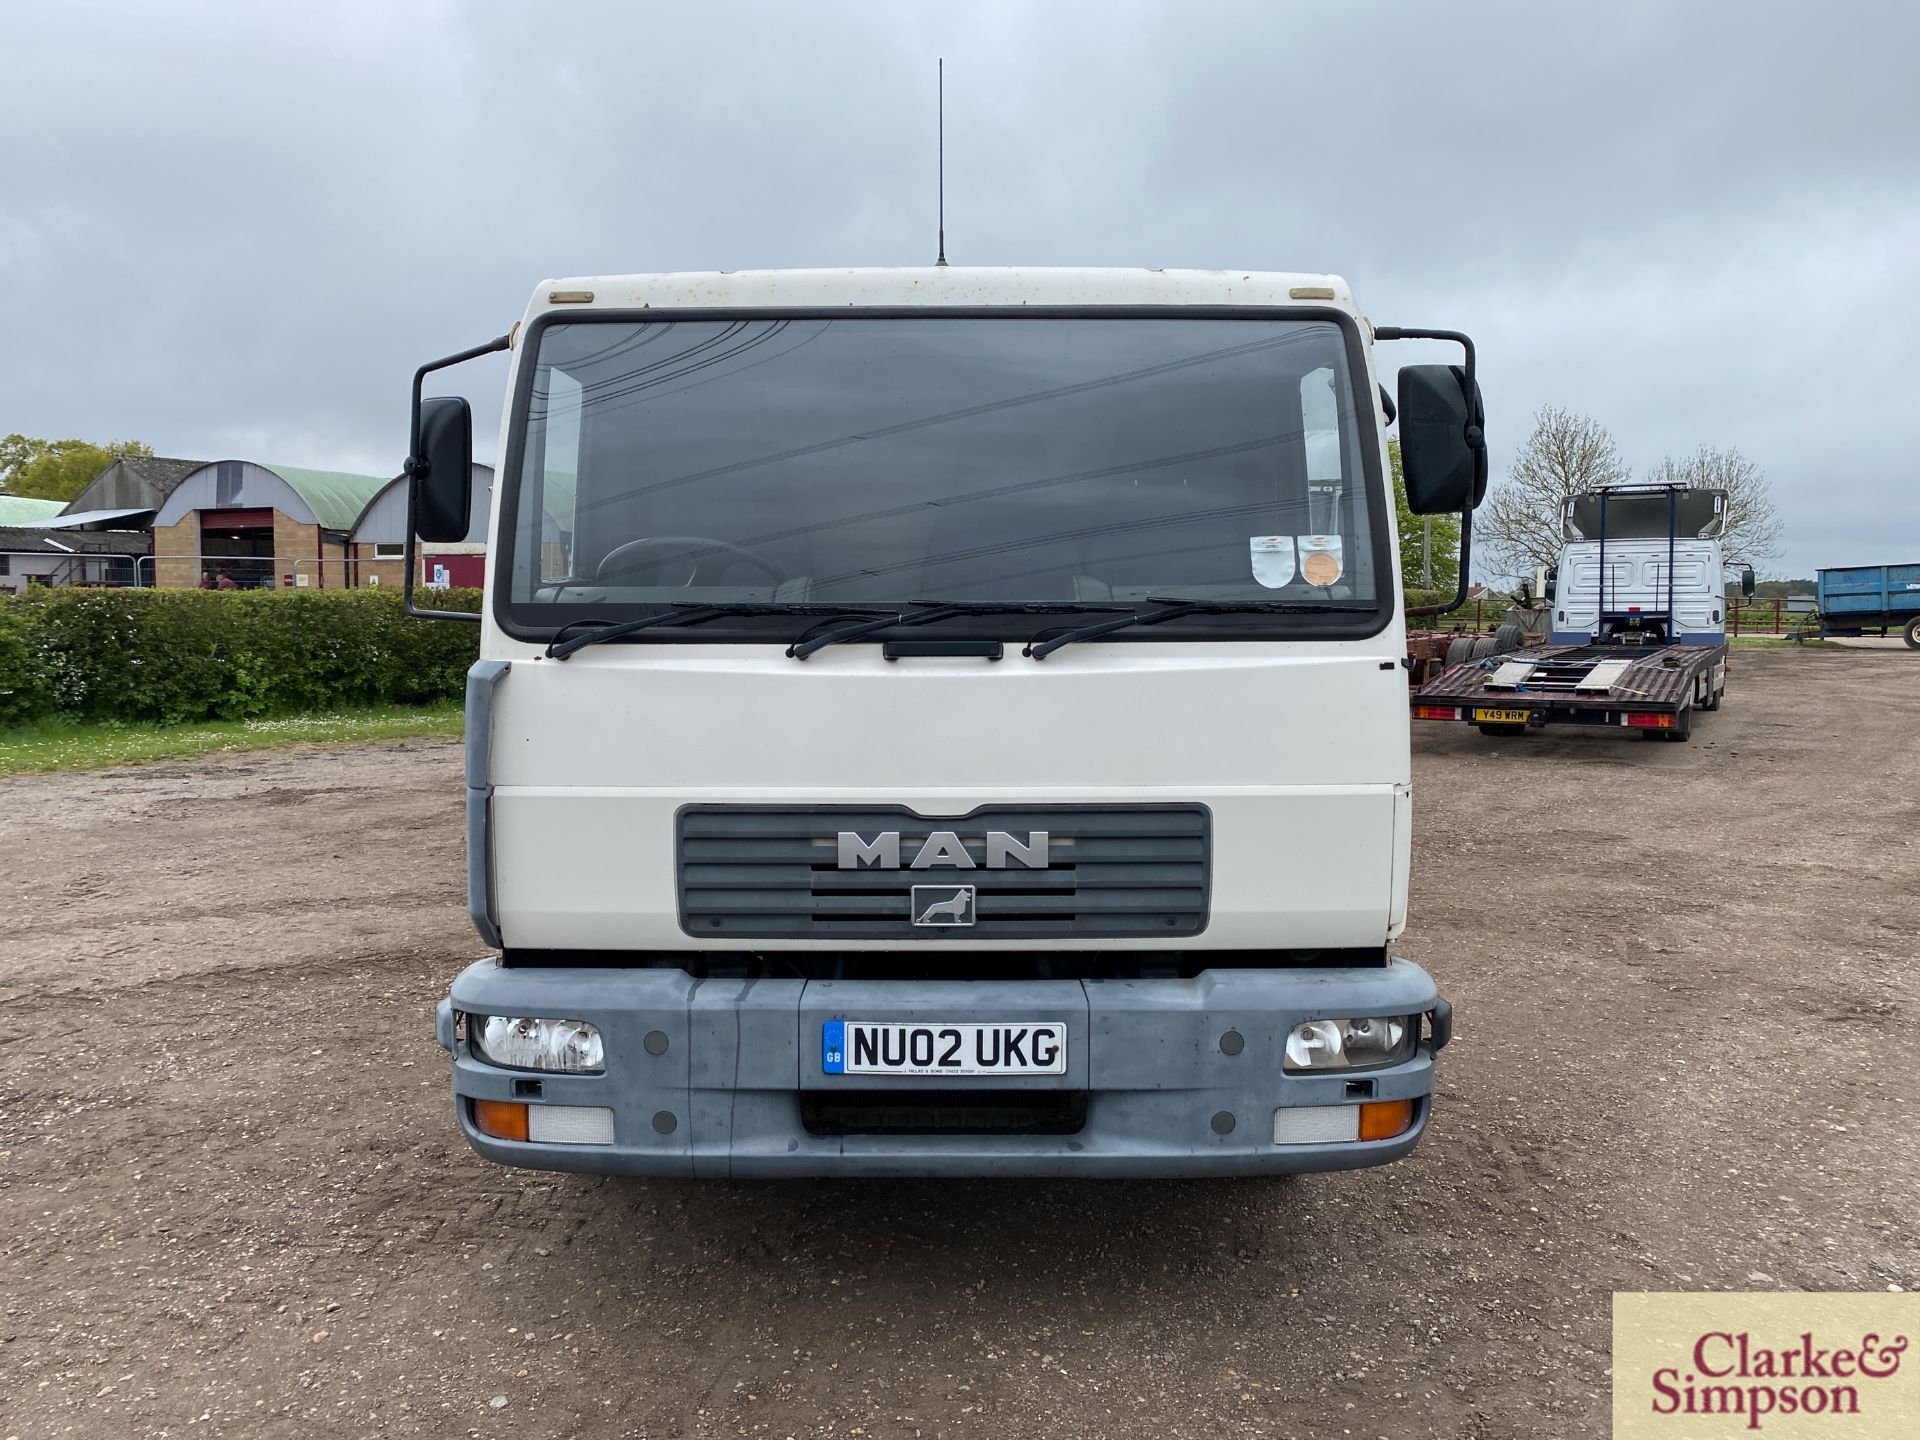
1779 642
57 745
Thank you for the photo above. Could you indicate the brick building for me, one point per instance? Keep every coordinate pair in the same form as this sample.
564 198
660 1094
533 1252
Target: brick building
265 526
379 538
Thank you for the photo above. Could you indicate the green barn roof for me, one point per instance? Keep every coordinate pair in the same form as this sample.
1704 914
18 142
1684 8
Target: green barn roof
20 509
335 497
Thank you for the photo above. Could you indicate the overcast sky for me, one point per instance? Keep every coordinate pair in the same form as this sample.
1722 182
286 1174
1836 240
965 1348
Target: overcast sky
233 230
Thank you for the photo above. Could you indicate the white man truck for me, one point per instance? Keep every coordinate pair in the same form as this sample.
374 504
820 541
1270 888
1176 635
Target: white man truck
943 721
1637 602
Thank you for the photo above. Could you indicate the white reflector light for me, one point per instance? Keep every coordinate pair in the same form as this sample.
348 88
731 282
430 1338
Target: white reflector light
570 1124
1315 1124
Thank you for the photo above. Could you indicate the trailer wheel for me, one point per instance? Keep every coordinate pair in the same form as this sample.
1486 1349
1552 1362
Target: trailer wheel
1912 633
1679 734
1508 637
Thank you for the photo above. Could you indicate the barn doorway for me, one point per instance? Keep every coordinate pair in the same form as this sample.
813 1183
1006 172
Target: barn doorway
236 550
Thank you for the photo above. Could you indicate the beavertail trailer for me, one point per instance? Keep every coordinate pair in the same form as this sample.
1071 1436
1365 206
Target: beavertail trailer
943 721
1652 689
1638 604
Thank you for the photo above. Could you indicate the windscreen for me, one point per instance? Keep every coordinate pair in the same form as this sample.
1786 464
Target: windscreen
883 461
1646 515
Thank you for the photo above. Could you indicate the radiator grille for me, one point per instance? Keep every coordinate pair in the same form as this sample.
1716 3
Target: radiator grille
771 872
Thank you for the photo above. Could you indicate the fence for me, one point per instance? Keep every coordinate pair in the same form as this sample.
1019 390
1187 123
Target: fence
258 572
1774 615
1484 612
94 568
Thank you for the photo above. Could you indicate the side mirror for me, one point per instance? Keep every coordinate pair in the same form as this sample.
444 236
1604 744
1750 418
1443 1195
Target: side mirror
441 470
1443 448
1746 579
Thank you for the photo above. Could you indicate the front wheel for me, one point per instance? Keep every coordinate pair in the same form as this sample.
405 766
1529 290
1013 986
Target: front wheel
1912 633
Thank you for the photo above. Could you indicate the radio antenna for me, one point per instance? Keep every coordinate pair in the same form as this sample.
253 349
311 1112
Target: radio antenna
942 162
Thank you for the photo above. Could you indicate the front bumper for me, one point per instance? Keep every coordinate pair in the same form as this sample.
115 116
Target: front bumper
1168 1092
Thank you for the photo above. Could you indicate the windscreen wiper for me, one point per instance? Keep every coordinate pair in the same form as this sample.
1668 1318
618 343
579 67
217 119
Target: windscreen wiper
1176 607
938 610
684 612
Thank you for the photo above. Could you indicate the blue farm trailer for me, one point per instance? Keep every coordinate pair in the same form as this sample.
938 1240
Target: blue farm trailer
1858 598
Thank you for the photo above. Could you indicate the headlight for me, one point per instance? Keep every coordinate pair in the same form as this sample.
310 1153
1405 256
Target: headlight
1351 1044
522 1044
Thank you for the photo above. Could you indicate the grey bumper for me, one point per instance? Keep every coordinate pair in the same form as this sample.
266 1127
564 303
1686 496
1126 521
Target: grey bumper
1182 1076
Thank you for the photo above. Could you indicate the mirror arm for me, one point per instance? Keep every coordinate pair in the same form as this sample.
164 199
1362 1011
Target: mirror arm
1476 432
1460 585
1476 439
416 470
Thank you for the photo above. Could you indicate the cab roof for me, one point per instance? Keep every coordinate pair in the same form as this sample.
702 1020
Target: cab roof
953 285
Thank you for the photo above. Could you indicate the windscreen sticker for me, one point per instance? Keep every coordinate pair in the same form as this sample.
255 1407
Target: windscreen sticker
1272 559
1320 559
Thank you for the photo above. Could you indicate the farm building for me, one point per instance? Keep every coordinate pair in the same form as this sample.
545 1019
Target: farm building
127 494
232 524
261 527
35 555
379 538
25 509
36 550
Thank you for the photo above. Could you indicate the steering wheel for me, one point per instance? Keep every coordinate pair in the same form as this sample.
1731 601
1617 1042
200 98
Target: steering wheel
637 553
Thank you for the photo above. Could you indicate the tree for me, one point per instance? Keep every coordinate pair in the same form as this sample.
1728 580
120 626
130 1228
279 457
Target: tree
57 469
1752 530
1414 530
1566 455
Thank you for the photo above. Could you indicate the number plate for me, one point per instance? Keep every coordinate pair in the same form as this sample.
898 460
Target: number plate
1499 717
865 1047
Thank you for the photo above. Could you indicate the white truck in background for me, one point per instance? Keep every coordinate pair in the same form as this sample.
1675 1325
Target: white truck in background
943 721
1636 608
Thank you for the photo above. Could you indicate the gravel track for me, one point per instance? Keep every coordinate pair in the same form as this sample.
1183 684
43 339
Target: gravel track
232 1196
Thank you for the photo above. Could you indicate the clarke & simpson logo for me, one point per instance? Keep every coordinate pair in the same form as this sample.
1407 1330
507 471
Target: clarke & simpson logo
1735 1375
1694 1367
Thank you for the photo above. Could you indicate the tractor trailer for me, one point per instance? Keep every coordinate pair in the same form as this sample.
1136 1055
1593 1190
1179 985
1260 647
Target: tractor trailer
943 721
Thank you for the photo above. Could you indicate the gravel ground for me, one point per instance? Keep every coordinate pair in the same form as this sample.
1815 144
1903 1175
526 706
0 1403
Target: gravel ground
232 1196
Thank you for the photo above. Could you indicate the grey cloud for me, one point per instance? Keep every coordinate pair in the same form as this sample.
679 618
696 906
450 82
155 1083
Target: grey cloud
236 229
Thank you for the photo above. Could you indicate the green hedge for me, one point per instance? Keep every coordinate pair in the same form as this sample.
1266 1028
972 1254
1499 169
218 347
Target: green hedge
171 656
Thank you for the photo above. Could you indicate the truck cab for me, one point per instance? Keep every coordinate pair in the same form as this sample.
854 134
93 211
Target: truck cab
1642 564
943 721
